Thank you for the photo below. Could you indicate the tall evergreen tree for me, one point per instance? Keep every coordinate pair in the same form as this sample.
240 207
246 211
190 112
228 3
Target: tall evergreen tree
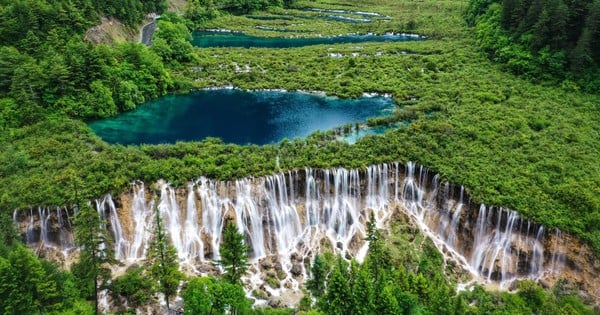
25 287
378 257
318 270
164 268
337 299
234 254
96 254
8 231
363 291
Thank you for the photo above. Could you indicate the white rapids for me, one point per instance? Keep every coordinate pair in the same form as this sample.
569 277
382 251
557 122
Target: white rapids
288 217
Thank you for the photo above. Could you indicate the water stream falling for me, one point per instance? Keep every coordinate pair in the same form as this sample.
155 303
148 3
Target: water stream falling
292 215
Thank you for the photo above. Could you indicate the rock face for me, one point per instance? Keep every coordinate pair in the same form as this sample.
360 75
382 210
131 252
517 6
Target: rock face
287 217
110 30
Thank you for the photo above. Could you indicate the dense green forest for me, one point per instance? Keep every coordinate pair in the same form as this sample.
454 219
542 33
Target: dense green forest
544 40
527 140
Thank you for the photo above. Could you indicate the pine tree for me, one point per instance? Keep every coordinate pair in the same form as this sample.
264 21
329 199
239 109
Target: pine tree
164 268
8 231
96 253
318 270
378 258
363 291
234 254
337 300
25 287
387 303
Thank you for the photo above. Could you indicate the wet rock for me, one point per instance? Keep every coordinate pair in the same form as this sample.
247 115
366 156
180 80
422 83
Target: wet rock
271 273
281 275
513 285
266 264
132 267
296 270
278 266
260 294
275 303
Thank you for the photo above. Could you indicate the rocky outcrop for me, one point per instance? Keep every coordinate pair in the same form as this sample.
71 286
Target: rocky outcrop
110 30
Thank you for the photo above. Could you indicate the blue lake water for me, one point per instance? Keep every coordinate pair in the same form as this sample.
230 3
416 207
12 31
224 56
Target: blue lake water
234 39
235 116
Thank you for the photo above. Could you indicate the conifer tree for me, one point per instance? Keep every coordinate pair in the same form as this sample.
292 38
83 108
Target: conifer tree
164 268
378 258
318 270
234 254
337 300
363 291
96 254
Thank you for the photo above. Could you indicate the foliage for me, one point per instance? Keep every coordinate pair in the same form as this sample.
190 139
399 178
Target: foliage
207 295
172 41
338 297
403 288
378 256
234 254
542 39
539 138
201 10
95 257
134 286
318 272
510 142
164 268
8 231
530 299
25 287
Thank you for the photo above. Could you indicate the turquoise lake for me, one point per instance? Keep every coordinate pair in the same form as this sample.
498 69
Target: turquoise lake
235 116
234 39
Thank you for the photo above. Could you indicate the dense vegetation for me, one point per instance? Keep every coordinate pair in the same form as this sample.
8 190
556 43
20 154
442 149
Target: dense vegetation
542 39
417 285
515 141
509 141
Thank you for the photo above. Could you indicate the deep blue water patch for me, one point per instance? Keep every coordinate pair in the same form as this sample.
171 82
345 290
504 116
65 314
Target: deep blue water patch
235 39
235 116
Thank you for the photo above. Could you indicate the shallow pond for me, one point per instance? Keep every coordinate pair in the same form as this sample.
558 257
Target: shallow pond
236 116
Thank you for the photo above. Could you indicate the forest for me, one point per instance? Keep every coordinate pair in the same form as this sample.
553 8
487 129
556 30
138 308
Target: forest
505 103
544 40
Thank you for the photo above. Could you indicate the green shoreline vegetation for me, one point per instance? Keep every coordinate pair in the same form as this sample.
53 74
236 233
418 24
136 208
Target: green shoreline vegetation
530 146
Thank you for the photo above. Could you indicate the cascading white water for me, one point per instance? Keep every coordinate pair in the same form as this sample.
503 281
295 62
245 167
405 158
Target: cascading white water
44 215
558 254
142 216
169 212
108 213
284 218
214 208
192 243
291 214
249 218
30 234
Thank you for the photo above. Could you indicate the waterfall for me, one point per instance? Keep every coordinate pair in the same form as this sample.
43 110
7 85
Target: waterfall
292 215
213 212
283 214
558 254
250 218
192 244
108 214
142 216
169 212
